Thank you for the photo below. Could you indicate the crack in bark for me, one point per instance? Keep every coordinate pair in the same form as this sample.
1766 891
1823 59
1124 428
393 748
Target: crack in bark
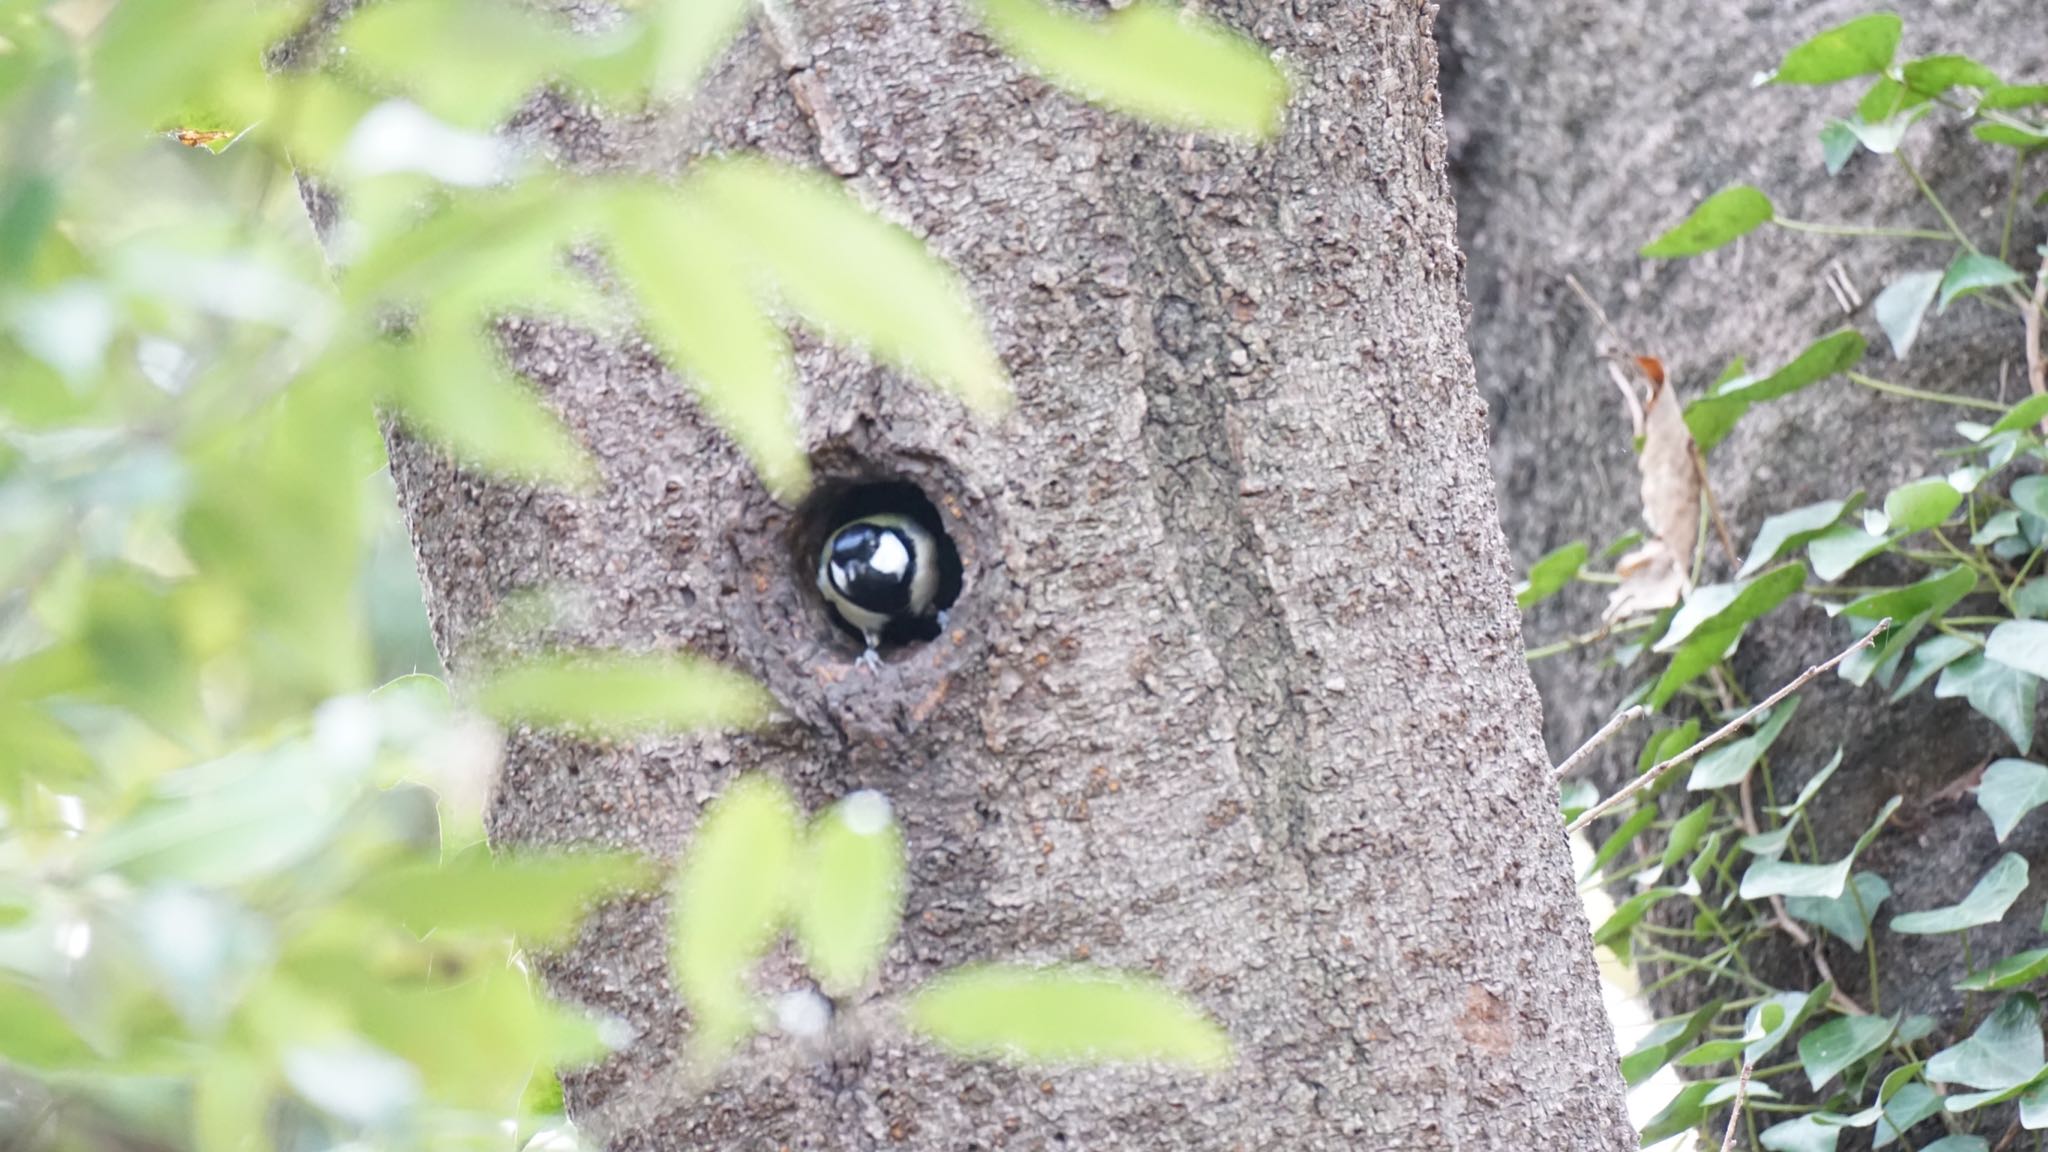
1198 479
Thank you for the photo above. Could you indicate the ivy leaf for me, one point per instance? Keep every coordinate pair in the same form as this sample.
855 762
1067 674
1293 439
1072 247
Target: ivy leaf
2030 494
1767 877
1720 607
1151 60
1550 574
1801 1134
1834 552
2009 790
732 890
1933 655
623 693
1711 417
1726 216
1860 47
1790 1009
1921 504
2012 972
1837 145
1665 1039
2025 414
2008 96
1731 762
1829 1050
1933 76
852 892
1788 530
1847 917
1903 305
1973 272
2003 694
1986 903
2004 1052
2021 644
2023 137
1064 1014
1960 1142
1912 1104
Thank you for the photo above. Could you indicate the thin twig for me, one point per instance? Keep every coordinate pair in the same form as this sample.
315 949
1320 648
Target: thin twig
1741 1098
1699 463
1657 771
1572 762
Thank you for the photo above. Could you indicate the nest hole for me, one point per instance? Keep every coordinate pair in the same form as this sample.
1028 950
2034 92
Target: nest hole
834 503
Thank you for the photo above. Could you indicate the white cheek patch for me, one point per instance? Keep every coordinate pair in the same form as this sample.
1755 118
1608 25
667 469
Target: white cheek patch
890 557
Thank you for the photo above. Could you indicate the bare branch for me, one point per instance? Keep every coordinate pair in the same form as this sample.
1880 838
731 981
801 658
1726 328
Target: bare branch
1658 771
1607 731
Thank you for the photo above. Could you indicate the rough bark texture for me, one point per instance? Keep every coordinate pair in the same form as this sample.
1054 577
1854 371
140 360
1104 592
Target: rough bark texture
1234 693
1580 132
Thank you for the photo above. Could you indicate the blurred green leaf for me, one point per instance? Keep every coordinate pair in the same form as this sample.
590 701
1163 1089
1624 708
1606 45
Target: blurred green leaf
1549 575
851 892
1834 552
1800 1134
2009 790
508 51
458 393
1724 217
1901 307
852 275
1973 272
1986 903
1829 1050
1063 1015
733 890
2012 972
2025 414
1789 530
2004 1051
1666 1039
2008 96
2005 695
1933 76
1718 607
1860 47
1792 1010
693 33
2030 493
1767 877
1150 59
1731 762
1711 417
1921 504
536 896
1933 655
701 312
623 692
1847 917
33 1033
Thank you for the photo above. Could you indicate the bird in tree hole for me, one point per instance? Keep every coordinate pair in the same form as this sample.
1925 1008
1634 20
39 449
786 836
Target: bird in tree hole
880 574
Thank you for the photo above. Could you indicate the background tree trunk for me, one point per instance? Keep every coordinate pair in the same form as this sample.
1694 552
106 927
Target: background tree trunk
1234 693
1579 133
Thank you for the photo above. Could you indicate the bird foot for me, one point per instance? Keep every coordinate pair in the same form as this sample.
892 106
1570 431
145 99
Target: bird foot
870 660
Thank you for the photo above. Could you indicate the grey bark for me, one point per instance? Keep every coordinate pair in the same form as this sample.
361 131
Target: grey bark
1580 133
1234 693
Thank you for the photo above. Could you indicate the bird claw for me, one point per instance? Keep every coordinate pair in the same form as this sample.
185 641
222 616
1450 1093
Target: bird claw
942 617
870 660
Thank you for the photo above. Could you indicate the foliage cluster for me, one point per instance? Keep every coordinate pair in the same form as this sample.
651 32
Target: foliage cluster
244 896
1969 621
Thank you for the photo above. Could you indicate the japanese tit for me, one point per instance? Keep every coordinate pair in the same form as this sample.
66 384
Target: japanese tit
878 572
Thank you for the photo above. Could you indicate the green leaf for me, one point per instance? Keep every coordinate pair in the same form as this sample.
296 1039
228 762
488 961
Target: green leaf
623 692
733 889
1933 655
1901 307
1960 1142
1973 272
2011 789
1710 417
1921 504
1693 658
1614 931
537 896
2025 414
1829 1050
1620 838
1858 48
852 892
1937 593
1999 526
1766 877
1726 216
2030 599
2030 494
2004 1051
1550 574
1837 144
1788 530
1731 762
1665 1039
1720 607
2012 972
1791 1009
1151 60
2023 137
1834 552
456 392
1686 833
2008 96
33 1033
1848 916
2003 694
2020 644
852 275
1912 1104
1064 1014
1575 796
702 314
1986 903
1800 1134
1933 76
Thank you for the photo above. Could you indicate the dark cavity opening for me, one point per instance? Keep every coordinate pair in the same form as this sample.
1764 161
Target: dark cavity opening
835 503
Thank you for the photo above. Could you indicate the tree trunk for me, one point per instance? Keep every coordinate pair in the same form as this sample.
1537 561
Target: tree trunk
1234 693
1580 133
